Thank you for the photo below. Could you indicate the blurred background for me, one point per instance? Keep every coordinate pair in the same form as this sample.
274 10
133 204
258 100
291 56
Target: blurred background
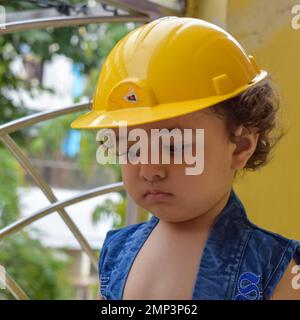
43 69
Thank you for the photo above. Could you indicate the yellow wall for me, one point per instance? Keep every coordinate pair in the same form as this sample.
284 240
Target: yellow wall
264 29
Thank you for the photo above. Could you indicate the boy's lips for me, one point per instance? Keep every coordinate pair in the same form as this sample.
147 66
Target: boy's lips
156 194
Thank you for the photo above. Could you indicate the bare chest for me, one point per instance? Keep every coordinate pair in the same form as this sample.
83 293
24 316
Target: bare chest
164 268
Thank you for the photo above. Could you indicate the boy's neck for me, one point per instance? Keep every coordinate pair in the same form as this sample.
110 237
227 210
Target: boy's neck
202 223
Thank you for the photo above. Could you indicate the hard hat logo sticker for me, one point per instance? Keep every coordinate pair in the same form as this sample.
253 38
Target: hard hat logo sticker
131 96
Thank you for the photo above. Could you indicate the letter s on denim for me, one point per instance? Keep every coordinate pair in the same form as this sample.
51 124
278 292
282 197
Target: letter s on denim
248 287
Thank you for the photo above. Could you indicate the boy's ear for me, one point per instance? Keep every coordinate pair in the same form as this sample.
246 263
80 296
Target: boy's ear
244 146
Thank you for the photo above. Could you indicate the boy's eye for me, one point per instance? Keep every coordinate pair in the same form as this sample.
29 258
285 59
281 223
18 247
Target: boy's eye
129 152
135 153
175 148
169 148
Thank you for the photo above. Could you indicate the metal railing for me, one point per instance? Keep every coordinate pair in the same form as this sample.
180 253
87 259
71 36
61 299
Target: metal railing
56 206
137 11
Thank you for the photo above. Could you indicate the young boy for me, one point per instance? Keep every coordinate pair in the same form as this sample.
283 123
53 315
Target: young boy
185 73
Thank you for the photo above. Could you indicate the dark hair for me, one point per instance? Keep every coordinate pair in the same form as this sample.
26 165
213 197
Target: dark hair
256 107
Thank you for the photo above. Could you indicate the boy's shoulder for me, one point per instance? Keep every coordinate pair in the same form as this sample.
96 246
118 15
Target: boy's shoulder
117 238
265 236
123 232
267 255
115 241
270 246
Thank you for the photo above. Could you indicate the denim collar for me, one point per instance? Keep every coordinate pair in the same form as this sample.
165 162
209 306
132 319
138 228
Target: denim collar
222 252
221 255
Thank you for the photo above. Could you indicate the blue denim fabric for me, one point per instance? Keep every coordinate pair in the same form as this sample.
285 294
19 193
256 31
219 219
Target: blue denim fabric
240 261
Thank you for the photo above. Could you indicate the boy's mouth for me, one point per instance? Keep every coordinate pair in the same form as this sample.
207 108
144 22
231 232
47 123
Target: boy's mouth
156 194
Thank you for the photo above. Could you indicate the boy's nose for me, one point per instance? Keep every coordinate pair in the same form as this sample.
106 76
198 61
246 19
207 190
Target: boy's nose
152 172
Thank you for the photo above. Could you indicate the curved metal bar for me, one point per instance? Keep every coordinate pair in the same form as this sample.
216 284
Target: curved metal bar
22 223
14 288
46 189
58 22
6 129
152 9
24 122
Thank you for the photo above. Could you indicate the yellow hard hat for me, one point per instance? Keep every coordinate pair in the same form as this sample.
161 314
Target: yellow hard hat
167 68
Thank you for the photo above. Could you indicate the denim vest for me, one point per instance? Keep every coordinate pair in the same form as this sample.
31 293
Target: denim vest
240 261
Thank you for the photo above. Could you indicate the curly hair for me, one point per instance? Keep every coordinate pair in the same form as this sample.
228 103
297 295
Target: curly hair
256 107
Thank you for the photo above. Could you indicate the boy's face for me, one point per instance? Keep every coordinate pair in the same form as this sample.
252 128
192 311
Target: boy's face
190 195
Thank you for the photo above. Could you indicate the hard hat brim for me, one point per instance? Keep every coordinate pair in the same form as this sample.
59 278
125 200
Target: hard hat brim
142 115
